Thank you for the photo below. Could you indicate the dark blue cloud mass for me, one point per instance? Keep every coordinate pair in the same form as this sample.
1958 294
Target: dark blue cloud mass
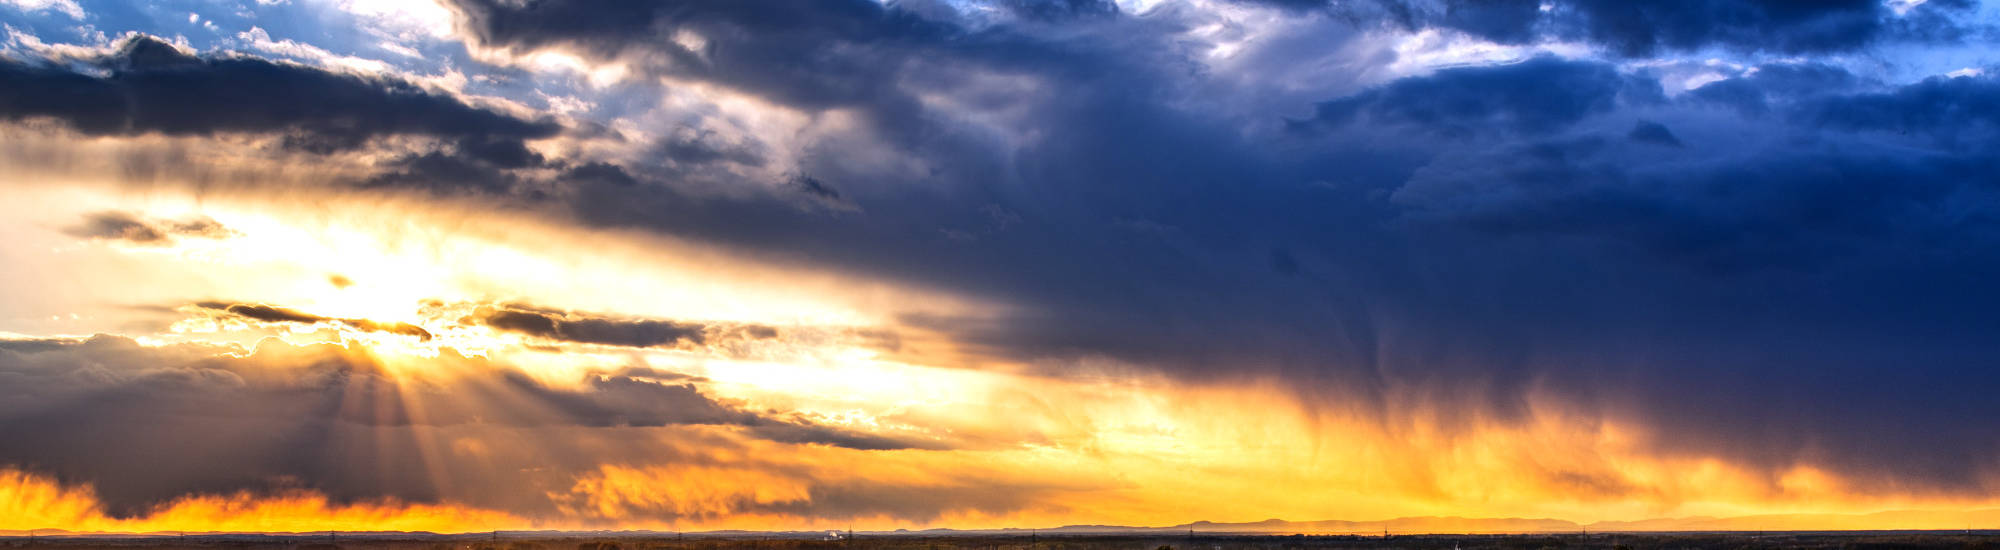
1778 266
150 86
1640 28
147 86
1541 95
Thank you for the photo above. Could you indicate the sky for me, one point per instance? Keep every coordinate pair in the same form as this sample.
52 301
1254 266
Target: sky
464 265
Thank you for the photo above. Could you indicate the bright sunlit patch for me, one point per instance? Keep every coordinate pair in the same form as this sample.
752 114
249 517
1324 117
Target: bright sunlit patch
1903 7
380 261
29 501
406 20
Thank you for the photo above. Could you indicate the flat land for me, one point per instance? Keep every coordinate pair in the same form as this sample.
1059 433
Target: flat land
1817 540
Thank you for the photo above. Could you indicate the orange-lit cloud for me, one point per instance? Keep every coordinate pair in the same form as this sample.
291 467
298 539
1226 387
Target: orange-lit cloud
34 502
703 493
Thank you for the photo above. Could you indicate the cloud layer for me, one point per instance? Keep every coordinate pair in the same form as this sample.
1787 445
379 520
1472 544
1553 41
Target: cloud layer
330 419
1753 232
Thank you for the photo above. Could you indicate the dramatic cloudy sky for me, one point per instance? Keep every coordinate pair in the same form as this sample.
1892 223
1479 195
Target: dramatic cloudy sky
308 264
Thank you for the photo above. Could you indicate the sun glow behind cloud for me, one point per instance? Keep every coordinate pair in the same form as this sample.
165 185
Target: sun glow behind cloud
1132 447
375 259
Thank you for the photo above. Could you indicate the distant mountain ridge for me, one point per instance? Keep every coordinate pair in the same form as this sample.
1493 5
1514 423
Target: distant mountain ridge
1418 524
1918 520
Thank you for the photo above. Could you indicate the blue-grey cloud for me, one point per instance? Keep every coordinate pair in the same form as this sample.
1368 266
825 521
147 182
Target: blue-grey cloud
149 86
1541 95
123 226
273 314
1641 28
629 332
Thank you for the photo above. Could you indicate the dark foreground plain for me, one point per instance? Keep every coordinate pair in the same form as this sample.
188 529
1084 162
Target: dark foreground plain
550 541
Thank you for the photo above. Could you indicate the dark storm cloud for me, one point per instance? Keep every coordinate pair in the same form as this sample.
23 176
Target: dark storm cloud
1955 113
149 86
696 147
1728 266
861 56
444 172
1808 206
817 189
1058 10
214 419
1643 27
1541 95
599 174
1640 28
1761 91
1647 131
817 55
630 332
272 314
265 313
123 226
1506 21
1809 240
1108 145
117 226
1904 168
